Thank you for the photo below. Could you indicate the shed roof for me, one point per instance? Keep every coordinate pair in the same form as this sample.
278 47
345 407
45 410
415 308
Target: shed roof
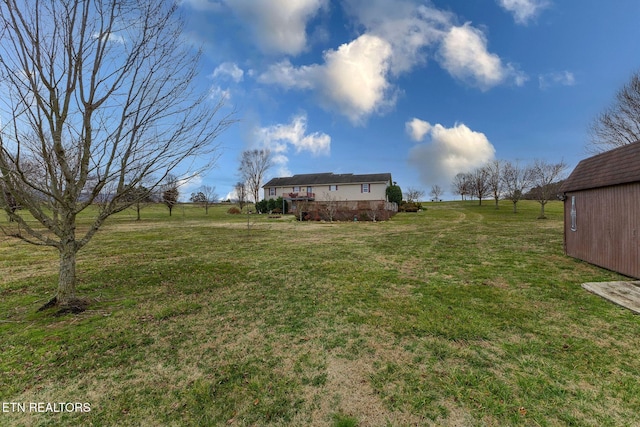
327 178
618 166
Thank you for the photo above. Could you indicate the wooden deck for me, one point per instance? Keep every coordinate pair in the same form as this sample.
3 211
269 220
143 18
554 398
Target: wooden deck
625 294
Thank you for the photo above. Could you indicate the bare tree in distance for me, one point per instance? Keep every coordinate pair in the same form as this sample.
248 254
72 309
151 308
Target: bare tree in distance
544 174
210 196
241 194
141 197
619 124
205 197
516 181
101 96
436 192
461 184
254 164
170 192
413 194
479 183
495 170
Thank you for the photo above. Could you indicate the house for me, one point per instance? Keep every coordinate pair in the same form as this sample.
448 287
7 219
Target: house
323 186
351 193
602 210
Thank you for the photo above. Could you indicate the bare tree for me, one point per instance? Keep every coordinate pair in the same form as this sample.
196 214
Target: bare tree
516 180
253 166
436 192
210 196
170 192
461 184
479 183
8 202
241 194
139 197
99 89
619 124
544 174
494 179
206 197
330 206
413 194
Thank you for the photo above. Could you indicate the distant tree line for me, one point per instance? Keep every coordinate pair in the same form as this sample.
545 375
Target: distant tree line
506 180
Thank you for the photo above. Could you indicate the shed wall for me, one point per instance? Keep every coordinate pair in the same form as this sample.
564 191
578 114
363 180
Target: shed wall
607 223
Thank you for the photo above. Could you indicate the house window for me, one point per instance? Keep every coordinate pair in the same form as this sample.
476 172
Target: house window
573 214
296 189
272 191
333 188
364 188
309 190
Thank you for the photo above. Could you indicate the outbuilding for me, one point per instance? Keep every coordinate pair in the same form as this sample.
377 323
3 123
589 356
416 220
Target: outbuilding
602 210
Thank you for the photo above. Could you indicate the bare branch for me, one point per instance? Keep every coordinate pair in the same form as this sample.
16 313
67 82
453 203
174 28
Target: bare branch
254 164
101 100
619 124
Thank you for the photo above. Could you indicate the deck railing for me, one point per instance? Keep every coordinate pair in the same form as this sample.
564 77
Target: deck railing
301 195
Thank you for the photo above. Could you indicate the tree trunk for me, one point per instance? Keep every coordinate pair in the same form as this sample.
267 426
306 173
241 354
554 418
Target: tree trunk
542 216
515 204
67 280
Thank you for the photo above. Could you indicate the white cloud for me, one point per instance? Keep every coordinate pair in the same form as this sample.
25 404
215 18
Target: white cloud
563 78
217 93
228 70
464 55
188 186
279 138
408 28
279 26
524 10
413 32
204 5
288 76
353 78
112 37
449 152
417 128
356 79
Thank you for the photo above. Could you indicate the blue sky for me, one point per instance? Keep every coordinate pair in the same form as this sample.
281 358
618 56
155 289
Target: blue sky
420 89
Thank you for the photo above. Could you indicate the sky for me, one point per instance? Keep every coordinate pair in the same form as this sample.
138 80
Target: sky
420 89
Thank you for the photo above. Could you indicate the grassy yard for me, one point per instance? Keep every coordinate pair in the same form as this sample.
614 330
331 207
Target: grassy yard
459 315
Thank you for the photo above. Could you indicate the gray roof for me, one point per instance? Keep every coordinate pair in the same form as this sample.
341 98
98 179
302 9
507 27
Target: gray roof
312 179
618 166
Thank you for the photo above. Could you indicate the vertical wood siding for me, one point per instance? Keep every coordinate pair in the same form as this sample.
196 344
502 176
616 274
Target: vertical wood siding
607 227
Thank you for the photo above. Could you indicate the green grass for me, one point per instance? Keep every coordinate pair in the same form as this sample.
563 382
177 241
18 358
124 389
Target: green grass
456 315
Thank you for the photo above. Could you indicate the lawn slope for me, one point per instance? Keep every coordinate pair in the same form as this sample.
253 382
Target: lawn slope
457 315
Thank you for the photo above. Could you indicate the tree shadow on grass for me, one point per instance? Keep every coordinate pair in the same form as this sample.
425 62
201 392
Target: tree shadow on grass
75 306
